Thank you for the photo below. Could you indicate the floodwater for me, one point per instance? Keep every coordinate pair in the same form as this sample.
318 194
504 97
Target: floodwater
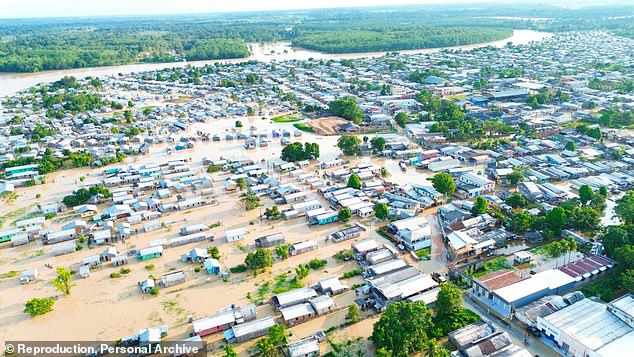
11 83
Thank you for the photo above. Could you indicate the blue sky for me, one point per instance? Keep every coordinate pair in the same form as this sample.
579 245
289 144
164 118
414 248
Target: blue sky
56 8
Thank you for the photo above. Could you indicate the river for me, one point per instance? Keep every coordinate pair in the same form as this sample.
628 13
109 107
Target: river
10 83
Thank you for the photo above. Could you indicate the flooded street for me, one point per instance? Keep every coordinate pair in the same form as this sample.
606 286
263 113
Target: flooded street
279 51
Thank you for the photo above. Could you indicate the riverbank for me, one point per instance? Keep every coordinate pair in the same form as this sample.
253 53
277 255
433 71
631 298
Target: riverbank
267 52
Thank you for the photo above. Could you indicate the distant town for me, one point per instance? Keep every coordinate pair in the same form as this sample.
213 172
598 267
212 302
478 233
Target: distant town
463 202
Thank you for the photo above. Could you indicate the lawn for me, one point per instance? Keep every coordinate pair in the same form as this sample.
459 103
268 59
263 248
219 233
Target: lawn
285 119
304 127
490 266
423 253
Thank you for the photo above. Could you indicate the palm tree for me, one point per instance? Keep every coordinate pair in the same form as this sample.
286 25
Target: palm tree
251 200
264 348
432 349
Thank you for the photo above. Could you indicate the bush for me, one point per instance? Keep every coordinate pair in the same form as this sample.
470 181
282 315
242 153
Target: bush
197 270
240 268
317 263
124 271
154 291
39 306
149 267
213 168
351 273
115 275
345 254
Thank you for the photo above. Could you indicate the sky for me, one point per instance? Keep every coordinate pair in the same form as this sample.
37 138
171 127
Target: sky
62 8
57 8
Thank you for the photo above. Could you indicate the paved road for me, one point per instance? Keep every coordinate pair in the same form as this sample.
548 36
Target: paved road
535 346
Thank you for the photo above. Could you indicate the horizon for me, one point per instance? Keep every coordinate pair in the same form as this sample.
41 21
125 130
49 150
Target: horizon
43 9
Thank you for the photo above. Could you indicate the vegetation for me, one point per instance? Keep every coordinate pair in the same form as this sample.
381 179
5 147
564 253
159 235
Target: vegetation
285 119
402 328
480 206
344 215
450 315
344 255
347 108
63 281
304 127
39 306
491 266
272 212
260 259
444 184
213 252
282 250
381 211
297 152
354 181
349 145
251 200
82 195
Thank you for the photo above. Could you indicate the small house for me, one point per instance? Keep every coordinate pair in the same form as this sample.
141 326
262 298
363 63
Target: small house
212 266
171 279
92 261
293 297
308 347
270 240
29 276
249 330
198 255
297 314
322 304
235 235
303 247
109 254
522 257
331 286
64 248
146 285
84 271
149 253
119 260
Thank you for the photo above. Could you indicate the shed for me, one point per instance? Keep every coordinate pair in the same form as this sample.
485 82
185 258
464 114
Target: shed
235 235
64 248
322 304
303 247
171 279
270 240
308 347
29 276
297 314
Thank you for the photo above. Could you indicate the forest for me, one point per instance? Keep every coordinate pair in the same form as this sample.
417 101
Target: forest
31 45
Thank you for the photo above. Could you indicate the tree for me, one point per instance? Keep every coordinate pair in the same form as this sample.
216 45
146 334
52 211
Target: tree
63 281
347 108
381 211
431 348
480 206
603 191
272 212
614 238
230 352
238 124
39 306
450 314
251 200
296 152
277 335
261 258
378 144
401 119
250 111
353 313
516 200
354 181
344 215
520 222
402 329
570 145
444 184
516 176
242 183
624 208
349 145
264 348
556 221
585 194
213 252
127 115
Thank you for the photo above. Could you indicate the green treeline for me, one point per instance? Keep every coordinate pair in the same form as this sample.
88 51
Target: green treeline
397 39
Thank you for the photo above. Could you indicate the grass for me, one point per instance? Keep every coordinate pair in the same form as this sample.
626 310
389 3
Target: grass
492 265
285 119
606 287
12 215
9 274
423 253
304 127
